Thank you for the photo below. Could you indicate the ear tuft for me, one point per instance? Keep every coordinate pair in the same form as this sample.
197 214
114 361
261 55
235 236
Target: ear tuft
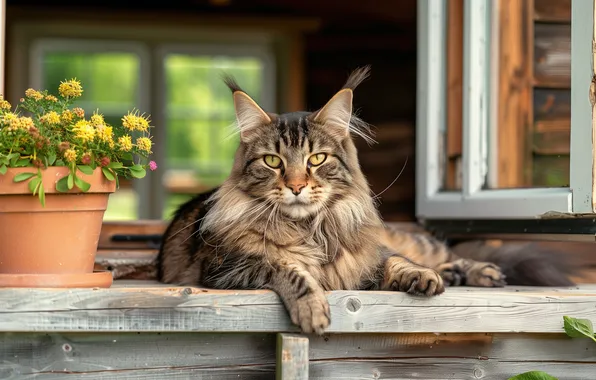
357 76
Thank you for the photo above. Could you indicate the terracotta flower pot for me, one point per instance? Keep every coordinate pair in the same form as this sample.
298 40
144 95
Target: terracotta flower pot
55 245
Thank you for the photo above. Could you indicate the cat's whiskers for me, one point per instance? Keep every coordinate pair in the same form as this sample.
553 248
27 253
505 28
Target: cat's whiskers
376 196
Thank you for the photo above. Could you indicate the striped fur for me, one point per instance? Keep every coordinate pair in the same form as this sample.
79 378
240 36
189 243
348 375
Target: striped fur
303 228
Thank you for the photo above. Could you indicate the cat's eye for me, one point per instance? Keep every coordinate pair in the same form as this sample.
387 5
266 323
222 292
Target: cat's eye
317 159
272 161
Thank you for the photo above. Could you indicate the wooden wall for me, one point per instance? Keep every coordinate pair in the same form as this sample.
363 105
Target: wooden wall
387 100
534 82
552 93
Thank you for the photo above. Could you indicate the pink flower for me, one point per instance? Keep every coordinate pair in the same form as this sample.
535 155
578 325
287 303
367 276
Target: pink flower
152 165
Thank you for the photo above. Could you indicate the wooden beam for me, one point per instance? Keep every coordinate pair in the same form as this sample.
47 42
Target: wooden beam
515 92
154 307
292 357
177 356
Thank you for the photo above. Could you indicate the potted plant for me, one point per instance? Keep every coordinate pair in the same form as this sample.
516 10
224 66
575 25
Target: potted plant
58 167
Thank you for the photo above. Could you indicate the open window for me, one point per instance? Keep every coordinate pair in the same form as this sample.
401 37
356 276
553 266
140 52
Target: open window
504 123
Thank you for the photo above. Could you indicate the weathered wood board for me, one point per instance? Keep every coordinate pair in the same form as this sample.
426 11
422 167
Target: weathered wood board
163 308
252 356
141 330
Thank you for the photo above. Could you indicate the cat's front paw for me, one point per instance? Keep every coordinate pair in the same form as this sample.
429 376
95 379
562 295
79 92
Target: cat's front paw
311 313
417 280
487 275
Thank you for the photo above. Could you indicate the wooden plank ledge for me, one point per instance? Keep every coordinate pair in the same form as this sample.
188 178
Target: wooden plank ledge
132 306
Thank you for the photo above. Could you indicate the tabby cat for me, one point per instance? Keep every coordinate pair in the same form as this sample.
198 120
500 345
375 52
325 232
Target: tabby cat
296 215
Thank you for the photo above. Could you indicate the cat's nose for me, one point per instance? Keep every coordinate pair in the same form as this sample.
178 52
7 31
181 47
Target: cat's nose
295 186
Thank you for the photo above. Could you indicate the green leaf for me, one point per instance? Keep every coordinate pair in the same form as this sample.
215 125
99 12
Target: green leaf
533 375
34 185
22 177
85 169
13 156
70 181
577 328
59 163
137 171
13 159
62 185
115 165
84 186
127 156
108 174
22 162
51 158
3 169
42 195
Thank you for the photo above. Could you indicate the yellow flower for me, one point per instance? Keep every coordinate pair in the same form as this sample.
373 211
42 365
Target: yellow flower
70 89
8 117
4 104
104 133
20 123
79 112
67 116
31 93
144 143
125 143
51 98
135 122
97 120
70 155
84 131
51 118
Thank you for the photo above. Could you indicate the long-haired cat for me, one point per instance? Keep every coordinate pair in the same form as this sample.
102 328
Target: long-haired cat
296 216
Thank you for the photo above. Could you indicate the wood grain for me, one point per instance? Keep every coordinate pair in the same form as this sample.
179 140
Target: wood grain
552 104
515 92
552 137
455 50
552 11
292 357
252 356
178 309
552 55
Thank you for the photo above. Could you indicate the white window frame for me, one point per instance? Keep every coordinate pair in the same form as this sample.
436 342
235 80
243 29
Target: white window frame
474 202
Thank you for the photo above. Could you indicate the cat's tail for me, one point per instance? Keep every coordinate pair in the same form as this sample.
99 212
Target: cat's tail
525 263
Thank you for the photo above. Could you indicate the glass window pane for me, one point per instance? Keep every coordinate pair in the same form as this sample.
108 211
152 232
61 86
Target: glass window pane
200 113
110 83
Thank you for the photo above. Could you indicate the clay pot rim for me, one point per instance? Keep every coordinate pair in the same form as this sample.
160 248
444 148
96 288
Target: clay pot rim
95 279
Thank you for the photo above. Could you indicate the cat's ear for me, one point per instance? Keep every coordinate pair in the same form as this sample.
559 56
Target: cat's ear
336 114
250 117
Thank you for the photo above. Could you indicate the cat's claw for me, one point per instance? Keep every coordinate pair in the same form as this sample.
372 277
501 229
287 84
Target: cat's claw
311 313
